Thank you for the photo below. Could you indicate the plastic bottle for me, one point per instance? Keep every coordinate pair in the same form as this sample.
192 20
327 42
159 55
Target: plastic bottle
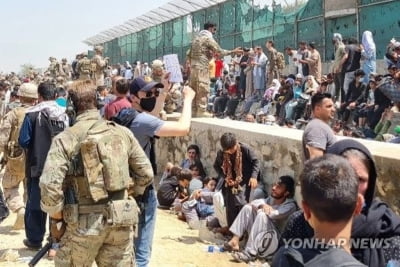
214 249
393 263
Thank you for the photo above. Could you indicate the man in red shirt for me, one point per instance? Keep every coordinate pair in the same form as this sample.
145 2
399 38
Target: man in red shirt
219 66
121 92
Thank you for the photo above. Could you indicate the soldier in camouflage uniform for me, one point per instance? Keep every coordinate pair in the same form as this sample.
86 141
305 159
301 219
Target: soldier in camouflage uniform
202 49
15 157
84 67
99 64
54 67
66 69
91 233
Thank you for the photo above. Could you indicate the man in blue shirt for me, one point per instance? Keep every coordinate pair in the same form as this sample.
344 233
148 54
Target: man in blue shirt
146 127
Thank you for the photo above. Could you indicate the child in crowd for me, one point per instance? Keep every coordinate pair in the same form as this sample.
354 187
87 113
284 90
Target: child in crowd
197 181
200 205
173 190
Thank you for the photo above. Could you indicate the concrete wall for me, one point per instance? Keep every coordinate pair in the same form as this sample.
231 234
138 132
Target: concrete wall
279 150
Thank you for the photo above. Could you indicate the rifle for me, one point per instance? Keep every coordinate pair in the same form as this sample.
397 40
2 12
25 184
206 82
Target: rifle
2 163
41 252
69 199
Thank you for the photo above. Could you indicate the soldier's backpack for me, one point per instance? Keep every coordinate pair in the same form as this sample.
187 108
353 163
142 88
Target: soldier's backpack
280 61
104 157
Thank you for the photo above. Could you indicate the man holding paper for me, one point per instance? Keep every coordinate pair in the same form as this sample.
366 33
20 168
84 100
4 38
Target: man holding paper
202 50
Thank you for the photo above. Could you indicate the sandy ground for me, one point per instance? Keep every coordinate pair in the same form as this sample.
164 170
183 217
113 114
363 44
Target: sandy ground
174 245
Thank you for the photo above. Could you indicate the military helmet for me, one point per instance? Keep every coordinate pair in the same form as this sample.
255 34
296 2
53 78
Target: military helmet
157 64
98 48
28 90
17 82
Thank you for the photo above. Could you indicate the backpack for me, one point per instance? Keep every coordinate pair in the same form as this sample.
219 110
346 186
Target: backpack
280 61
125 117
104 157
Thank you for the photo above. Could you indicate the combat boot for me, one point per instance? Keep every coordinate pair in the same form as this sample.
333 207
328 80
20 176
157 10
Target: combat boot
19 222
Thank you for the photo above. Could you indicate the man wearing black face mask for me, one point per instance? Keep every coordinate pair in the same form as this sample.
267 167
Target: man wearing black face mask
145 126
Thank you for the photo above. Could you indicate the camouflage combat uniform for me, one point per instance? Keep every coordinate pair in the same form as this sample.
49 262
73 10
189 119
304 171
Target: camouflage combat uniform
66 70
90 238
84 68
54 68
99 64
201 51
14 172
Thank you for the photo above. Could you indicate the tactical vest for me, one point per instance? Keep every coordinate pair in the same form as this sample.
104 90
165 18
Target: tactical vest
100 165
85 65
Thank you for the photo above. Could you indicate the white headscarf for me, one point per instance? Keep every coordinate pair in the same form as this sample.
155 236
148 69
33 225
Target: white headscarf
368 41
337 36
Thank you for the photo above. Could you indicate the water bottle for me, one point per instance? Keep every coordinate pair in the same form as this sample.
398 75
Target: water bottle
393 263
214 249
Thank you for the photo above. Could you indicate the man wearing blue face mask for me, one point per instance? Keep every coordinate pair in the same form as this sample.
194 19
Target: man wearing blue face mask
145 96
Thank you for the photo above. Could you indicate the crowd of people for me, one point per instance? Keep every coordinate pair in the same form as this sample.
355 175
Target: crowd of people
82 138
339 209
253 87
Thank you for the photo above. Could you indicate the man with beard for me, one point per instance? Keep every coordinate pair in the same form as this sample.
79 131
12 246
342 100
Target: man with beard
263 219
146 127
201 51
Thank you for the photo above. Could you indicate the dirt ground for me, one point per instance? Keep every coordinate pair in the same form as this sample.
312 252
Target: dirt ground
174 245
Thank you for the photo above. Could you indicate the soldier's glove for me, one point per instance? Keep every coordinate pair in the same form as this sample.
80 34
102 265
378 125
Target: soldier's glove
57 229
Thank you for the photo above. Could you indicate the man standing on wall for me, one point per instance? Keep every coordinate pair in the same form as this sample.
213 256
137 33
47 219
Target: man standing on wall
141 120
272 66
201 51
340 58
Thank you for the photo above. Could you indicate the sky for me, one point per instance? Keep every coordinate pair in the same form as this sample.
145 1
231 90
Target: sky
32 31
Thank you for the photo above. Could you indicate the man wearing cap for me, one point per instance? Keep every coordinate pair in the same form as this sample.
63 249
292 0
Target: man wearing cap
14 155
263 220
202 49
146 127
